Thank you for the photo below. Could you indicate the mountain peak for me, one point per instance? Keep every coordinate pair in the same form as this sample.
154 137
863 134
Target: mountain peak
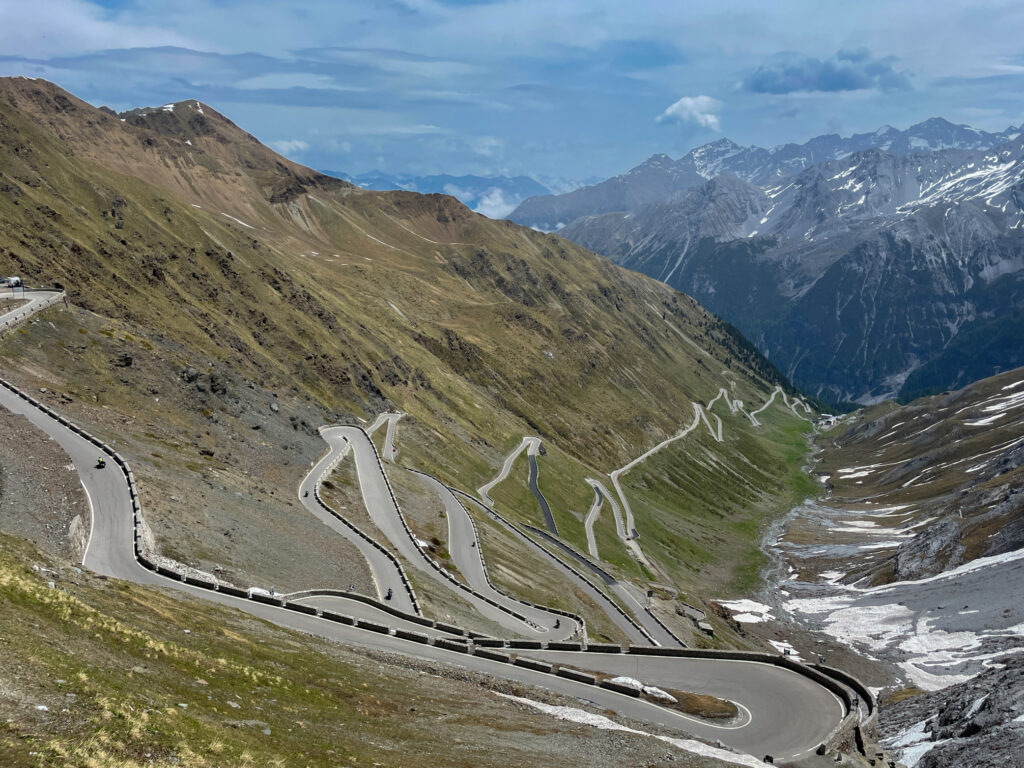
656 161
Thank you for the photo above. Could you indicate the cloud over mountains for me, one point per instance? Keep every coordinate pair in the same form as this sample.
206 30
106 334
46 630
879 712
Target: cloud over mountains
848 70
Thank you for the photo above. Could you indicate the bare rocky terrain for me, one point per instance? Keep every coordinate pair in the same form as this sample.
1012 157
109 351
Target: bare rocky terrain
979 722
41 499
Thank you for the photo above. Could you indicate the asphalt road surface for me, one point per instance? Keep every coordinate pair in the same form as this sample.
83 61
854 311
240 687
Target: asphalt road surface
385 572
465 551
544 507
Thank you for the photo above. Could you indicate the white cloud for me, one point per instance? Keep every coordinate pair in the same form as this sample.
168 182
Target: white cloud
494 205
58 27
285 80
694 109
457 192
290 146
487 146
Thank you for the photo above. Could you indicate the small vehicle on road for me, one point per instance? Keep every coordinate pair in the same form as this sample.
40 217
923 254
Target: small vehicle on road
388 595
101 463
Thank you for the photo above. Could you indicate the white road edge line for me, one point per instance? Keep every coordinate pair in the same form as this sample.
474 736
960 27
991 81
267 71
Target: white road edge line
92 516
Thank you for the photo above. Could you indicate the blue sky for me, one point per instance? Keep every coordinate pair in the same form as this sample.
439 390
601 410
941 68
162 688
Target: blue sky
570 88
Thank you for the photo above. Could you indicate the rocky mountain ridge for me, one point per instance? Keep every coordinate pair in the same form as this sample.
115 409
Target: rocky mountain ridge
660 176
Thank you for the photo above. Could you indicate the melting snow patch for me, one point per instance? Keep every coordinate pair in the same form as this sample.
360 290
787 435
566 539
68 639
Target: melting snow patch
237 221
976 706
575 715
785 649
628 682
875 626
657 693
985 421
748 611
912 743
831 577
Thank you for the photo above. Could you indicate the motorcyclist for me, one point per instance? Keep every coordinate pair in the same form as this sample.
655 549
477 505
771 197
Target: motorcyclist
558 623
388 595
101 462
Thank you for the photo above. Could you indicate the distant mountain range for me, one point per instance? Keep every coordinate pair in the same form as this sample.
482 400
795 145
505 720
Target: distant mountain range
660 176
493 196
858 277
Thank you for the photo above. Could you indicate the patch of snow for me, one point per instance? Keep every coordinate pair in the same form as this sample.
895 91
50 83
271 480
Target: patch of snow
831 577
748 611
985 421
786 649
657 693
976 706
167 108
628 682
237 221
913 735
874 626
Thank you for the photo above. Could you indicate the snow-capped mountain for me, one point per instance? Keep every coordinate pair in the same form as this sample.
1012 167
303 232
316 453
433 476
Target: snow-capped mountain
659 177
851 274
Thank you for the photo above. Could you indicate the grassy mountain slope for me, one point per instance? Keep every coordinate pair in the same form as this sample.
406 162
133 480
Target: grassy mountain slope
255 299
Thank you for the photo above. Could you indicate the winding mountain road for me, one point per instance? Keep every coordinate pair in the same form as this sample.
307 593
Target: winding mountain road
545 508
789 713
383 510
591 518
467 557
532 447
385 570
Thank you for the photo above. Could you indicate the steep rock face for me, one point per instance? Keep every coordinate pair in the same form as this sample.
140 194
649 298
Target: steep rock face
853 273
976 723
